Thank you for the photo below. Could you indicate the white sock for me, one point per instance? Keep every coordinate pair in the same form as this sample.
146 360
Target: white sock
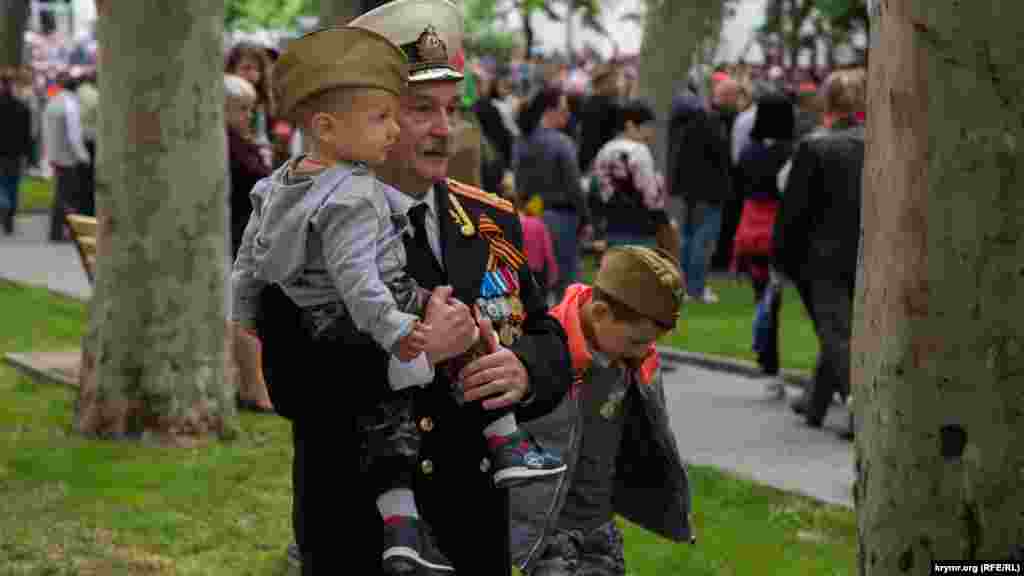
504 426
397 502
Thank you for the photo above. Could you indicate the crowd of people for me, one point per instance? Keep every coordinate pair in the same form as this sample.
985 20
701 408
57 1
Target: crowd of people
348 241
761 179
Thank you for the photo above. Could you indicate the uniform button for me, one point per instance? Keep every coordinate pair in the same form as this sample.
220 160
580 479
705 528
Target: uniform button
426 424
485 465
427 467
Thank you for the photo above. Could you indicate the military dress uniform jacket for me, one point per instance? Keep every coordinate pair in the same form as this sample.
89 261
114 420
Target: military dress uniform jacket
453 485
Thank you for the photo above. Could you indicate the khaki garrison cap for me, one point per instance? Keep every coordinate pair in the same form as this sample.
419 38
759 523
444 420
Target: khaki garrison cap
428 31
339 57
645 280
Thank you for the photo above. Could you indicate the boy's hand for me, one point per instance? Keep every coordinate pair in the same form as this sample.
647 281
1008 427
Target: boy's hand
412 344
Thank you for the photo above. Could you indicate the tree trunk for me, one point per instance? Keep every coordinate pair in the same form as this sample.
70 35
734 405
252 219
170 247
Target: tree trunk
343 11
673 33
938 343
14 18
155 362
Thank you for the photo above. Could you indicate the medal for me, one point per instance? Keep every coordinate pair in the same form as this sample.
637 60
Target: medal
500 282
509 277
487 286
516 306
506 308
494 310
506 335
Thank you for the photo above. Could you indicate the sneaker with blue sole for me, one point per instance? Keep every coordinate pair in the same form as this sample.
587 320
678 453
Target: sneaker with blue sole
519 459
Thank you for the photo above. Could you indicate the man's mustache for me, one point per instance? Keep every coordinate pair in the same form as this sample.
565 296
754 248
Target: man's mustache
438 146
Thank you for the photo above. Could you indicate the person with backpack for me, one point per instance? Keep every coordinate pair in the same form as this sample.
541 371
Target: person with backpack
630 192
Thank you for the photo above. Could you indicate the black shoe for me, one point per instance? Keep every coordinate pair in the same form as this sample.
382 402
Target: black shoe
813 421
520 460
411 550
294 557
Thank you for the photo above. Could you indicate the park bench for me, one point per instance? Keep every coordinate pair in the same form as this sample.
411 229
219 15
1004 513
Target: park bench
83 233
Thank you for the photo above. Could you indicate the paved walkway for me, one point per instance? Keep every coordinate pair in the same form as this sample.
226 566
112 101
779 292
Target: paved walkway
729 422
721 419
28 257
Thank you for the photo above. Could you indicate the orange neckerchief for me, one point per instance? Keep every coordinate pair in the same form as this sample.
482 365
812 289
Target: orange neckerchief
567 312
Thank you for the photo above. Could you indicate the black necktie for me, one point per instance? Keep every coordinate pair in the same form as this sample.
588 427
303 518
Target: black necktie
421 262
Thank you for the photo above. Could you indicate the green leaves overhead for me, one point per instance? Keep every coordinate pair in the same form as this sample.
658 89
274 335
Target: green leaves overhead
251 14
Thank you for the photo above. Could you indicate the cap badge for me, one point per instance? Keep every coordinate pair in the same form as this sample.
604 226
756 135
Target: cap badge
431 47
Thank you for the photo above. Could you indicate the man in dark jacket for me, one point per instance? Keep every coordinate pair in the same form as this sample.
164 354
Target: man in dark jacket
817 233
700 183
548 167
459 232
15 148
598 119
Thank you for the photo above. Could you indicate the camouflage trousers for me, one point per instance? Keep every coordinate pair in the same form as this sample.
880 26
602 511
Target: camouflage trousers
573 553
390 443
389 438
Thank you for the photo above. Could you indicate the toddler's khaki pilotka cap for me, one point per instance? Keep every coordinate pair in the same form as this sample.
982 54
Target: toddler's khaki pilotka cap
645 280
338 57
428 31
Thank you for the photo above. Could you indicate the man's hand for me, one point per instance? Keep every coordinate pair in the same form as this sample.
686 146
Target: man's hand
499 376
452 329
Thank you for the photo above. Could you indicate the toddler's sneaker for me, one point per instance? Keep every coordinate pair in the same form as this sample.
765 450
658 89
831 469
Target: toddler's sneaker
519 459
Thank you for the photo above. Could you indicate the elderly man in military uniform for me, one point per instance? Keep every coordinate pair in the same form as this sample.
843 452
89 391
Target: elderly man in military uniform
471 242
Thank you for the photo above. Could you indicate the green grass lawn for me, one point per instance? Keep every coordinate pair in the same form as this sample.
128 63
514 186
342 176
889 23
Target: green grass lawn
725 328
73 506
35 195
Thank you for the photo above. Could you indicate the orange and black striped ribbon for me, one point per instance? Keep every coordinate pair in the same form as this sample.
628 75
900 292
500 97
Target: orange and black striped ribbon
500 247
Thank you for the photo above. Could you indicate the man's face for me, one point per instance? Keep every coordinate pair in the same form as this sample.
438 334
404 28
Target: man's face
426 116
561 114
725 95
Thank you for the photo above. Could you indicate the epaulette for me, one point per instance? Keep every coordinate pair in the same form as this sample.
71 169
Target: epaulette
480 196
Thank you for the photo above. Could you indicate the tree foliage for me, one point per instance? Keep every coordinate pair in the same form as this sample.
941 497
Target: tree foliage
481 15
251 14
792 26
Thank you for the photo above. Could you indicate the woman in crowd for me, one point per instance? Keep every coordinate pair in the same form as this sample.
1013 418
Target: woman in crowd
252 62
630 191
496 129
770 148
247 166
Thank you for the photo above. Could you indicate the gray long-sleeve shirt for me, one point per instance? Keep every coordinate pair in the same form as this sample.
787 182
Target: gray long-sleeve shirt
335 236
548 166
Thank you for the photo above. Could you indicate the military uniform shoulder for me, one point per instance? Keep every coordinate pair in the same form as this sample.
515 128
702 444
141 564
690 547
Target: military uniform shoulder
479 195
